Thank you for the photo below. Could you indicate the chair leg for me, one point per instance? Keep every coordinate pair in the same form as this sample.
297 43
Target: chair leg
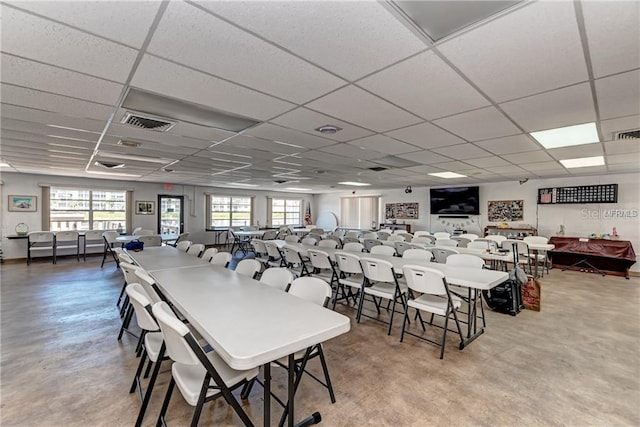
136 379
444 335
165 404
323 362
125 321
152 381
393 310
201 398
404 323
360 303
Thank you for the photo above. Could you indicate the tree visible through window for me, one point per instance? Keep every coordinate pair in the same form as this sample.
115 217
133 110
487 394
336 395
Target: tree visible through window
81 209
231 211
286 212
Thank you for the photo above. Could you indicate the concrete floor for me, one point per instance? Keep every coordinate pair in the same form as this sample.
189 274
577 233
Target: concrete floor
576 363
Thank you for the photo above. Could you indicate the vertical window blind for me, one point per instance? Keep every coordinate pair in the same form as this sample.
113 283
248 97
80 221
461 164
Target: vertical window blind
359 212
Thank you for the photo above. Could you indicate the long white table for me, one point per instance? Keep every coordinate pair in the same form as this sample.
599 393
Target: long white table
247 323
164 258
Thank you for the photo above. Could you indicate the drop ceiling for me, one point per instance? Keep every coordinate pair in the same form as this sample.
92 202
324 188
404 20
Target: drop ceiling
464 103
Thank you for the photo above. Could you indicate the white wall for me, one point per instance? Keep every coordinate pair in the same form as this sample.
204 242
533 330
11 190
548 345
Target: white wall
24 184
579 220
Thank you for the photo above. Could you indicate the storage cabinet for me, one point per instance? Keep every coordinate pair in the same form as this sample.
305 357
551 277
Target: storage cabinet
510 233
405 227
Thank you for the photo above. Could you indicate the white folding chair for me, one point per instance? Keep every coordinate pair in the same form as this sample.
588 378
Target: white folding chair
383 250
92 239
249 267
151 240
67 240
196 249
221 259
41 241
350 275
183 245
353 247
328 243
420 254
208 254
277 277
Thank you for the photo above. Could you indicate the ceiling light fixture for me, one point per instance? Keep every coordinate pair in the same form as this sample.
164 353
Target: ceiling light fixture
447 175
130 144
104 154
355 184
4 165
328 129
298 189
583 162
242 184
567 136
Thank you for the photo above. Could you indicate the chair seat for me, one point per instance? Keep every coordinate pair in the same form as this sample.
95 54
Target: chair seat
434 304
384 289
189 378
355 280
152 343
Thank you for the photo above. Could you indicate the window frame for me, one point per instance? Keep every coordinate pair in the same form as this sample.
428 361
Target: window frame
210 213
90 211
286 221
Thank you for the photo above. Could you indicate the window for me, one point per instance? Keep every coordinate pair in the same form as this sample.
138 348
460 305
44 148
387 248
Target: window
286 212
82 209
359 212
230 211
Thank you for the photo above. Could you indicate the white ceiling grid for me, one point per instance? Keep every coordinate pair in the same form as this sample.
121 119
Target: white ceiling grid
462 104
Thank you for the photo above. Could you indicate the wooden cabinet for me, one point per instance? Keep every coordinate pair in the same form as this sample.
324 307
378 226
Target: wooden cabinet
405 227
510 233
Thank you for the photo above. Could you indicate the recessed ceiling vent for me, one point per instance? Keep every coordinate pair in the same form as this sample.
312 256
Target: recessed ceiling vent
109 165
378 169
279 181
147 122
629 134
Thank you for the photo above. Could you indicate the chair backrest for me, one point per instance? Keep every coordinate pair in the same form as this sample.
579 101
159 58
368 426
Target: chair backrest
319 259
479 244
383 235
440 254
195 249
383 250
311 289
348 239
135 230
291 254
125 258
41 238
352 234
328 243
496 238
147 283
401 247
279 278
421 240
336 239
508 244
417 254
469 236
447 242
67 237
209 253
292 238
369 243
143 233
372 236
92 235
309 241
183 245
377 270
396 238
250 228
272 250
258 246
319 231
462 242
441 235
181 237
425 280
353 247
151 240
536 240
129 271
248 267
269 234
173 332
465 260
348 263
407 236
221 258
110 236
420 233
140 301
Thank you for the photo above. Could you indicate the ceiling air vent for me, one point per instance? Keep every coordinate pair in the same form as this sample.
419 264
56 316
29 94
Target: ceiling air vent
378 169
147 122
109 165
629 134
279 181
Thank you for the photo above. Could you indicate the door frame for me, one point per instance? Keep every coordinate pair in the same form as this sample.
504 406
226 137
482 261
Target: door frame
160 196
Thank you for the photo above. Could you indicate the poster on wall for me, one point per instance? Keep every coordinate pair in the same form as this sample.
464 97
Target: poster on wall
506 210
401 210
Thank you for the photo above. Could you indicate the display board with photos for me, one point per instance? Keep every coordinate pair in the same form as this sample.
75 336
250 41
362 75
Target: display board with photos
601 193
401 211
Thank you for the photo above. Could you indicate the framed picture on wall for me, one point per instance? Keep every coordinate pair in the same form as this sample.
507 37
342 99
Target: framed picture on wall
505 210
23 203
145 207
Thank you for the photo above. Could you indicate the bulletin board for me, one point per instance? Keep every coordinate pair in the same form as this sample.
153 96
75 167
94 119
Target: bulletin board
401 210
505 210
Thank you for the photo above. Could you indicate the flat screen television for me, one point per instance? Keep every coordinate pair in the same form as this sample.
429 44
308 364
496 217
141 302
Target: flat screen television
455 201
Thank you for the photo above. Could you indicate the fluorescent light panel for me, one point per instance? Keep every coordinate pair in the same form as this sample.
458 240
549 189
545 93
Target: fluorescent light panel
298 189
567 136
355 184
447 175
243 184
4 165
103 154
583 162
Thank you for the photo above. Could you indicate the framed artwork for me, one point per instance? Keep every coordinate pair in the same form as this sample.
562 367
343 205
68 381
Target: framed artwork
145 207
506 210
401 211
23 203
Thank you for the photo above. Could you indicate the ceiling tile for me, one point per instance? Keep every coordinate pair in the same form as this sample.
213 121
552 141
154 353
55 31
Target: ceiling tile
611 127
477 125
429 89
509 170
126 23
425 135
616 159
487 162
251 142
383 144
613 34
351 39
551 173
624 167
424 169
542 166
361 108
39 39
289 136
185 32
452 166
143 135
532 49
22 72
166 78
562 107
528 157
462 151
425 157
618 95
591 170
623 146
42 118
305 120
352 151
510 144
577 151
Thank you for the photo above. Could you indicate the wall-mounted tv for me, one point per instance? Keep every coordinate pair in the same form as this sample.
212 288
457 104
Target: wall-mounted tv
455 201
